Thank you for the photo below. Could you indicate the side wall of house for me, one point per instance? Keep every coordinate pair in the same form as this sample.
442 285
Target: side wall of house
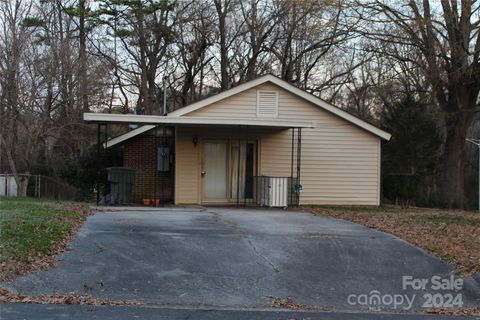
340 161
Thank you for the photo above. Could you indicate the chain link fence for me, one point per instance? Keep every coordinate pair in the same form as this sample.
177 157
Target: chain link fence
39 186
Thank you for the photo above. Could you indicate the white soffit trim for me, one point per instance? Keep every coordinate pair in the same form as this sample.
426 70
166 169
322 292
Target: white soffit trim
149 120
217 121
114 141
290 88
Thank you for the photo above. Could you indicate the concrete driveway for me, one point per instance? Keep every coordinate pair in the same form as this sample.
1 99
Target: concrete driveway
235 258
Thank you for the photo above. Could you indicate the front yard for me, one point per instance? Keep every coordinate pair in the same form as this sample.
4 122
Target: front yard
33 230
452 235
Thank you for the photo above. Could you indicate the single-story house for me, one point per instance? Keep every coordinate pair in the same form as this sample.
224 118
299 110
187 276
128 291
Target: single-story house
263 142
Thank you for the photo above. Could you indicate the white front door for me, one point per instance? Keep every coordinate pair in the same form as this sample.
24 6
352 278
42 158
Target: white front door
215 171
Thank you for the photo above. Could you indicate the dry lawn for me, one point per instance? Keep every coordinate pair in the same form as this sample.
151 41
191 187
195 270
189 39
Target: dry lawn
452 235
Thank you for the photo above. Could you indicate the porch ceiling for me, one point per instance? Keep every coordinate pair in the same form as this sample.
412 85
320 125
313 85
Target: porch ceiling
179 120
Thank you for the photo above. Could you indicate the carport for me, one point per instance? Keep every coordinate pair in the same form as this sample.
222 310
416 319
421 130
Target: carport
196 144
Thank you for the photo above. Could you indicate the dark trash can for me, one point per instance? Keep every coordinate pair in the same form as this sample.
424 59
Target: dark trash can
121 180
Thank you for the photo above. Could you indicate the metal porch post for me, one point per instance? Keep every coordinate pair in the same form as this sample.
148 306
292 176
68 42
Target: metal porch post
174 172
291 168
164 179
238 166
98 165
155 166
245 182
299 160
105 150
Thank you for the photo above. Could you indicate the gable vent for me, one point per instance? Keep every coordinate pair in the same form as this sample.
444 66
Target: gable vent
267 104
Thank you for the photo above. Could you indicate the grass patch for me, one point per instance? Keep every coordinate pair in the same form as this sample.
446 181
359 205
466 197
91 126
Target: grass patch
32 230
452 235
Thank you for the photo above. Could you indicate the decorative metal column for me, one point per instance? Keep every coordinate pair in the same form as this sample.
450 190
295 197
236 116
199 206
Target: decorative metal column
238 166
98 165
292 185
100 158
298 187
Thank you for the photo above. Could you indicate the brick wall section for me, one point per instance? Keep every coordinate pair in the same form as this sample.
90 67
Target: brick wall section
140 153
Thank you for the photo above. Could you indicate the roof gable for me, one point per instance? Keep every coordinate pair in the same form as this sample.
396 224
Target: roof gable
245 112
290 88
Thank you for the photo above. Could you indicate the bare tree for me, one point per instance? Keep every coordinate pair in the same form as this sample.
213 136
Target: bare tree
309 30
148 25
83 55
23 116
40 85
196 32
223 8
261 20
448 38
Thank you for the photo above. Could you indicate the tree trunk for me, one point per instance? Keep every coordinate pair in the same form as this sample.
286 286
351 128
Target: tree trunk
452 181
22 185
143 99
286 60
222 15
187 86
152 106
252 64
83 58
223 59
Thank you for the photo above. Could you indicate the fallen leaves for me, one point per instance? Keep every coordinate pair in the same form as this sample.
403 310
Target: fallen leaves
7 296
453 235
12 267
290 303
456 312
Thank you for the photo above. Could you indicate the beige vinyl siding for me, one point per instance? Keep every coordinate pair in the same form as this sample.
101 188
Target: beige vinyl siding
242 105
187 171
340 161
